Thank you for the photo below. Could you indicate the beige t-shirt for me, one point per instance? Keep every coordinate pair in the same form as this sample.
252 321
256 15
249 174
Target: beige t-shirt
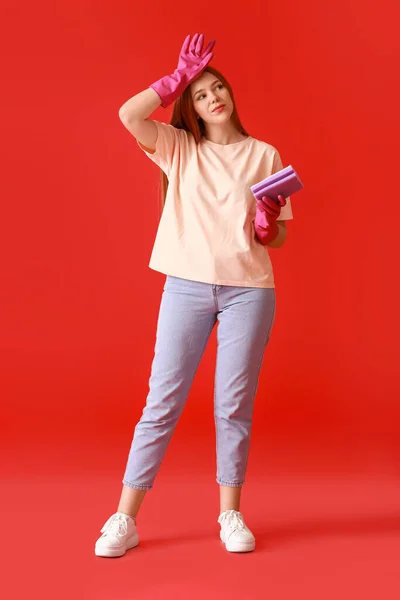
206 231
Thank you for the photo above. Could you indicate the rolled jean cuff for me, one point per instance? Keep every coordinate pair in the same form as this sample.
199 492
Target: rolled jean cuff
136 486
229 483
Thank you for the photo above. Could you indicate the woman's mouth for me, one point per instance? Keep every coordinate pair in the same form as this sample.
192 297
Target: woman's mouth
219 109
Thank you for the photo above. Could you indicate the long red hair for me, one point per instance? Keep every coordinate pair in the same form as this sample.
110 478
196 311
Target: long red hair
184 117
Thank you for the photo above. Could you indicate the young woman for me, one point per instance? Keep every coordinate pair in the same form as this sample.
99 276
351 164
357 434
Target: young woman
212 244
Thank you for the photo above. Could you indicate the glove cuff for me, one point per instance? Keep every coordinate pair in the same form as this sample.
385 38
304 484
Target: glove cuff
170 87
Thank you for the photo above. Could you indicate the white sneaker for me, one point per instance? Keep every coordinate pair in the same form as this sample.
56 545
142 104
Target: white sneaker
236 536
119 535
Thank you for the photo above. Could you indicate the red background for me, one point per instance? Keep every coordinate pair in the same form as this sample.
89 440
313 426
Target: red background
79 304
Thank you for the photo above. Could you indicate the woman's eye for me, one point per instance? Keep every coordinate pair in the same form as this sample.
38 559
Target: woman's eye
220 85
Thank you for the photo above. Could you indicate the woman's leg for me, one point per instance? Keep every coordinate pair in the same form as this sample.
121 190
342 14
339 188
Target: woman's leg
131 501
229 498
186 319
245 316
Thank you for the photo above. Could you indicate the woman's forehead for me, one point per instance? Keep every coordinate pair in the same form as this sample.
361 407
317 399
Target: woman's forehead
204 80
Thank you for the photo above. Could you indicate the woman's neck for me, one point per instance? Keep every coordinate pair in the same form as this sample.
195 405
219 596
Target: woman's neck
223 135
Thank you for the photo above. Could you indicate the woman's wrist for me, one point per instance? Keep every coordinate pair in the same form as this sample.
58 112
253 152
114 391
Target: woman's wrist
280 238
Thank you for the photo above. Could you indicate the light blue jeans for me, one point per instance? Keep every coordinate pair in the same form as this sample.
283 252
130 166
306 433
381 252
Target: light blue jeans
188 312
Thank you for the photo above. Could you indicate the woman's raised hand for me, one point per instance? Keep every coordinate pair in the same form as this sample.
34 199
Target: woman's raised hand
192 61
192 58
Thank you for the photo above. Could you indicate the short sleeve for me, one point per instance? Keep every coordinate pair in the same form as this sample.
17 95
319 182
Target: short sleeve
286 211
167 146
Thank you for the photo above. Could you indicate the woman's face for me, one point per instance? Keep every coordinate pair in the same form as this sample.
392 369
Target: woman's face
208 92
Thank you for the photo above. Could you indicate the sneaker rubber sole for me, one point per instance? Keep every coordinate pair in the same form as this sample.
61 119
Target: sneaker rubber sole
115 552
238 547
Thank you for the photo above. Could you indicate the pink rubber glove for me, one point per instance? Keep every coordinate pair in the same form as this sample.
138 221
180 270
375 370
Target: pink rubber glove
192 61
267 213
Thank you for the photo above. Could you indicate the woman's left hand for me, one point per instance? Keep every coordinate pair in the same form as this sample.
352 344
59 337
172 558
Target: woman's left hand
267 213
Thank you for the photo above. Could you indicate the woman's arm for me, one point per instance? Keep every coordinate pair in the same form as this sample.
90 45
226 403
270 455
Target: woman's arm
140 106
281 237
134 113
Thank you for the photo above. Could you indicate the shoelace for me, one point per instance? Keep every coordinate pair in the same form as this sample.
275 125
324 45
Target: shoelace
232 520
116 524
